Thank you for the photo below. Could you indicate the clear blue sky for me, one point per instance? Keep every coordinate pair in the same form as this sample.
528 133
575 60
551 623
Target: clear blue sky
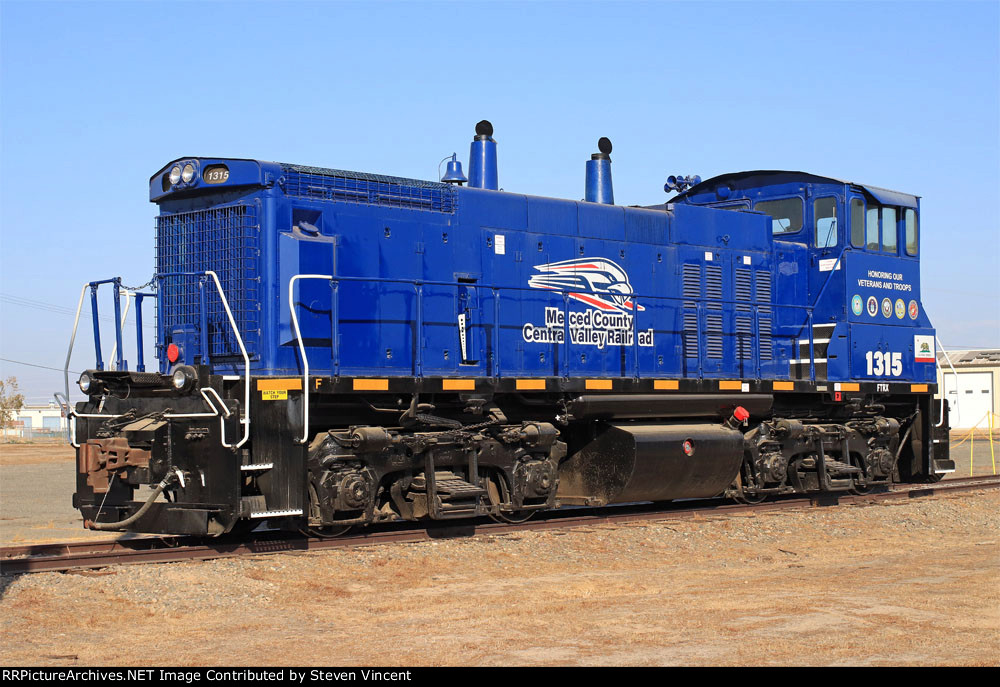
95 97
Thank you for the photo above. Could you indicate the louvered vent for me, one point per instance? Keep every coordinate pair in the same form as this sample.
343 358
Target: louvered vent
744 333
713 282
691 281
764 325
744 285
690 335
691 288
763 286
713 331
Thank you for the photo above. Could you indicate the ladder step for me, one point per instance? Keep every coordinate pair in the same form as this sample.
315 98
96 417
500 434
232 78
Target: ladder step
456 488
838 466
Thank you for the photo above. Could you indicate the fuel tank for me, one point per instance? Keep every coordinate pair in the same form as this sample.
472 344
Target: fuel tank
628 462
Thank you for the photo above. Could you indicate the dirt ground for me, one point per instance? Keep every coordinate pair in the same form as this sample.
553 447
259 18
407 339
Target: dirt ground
33 454
899 583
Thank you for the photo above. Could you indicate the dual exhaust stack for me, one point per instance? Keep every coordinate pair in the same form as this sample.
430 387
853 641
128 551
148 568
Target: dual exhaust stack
483 167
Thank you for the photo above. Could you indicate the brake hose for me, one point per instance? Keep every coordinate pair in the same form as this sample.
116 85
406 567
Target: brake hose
104 526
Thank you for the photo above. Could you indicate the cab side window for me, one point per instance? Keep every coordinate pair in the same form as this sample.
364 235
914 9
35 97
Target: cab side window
911 231
889 230
857 223
871 228
825 222
786 214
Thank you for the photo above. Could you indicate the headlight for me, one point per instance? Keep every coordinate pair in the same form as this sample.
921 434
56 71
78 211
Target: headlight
183 377
175 174
85 382
188 174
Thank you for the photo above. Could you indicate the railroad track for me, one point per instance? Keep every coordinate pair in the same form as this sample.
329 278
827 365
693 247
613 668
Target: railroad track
81 555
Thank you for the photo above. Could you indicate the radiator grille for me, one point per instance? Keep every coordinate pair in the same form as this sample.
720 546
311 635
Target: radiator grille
225 240
369 189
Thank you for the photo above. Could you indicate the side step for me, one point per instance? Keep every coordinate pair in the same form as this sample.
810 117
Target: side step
449 496
454 488
839 467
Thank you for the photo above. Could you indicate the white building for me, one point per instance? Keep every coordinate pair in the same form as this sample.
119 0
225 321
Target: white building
36 420
971 387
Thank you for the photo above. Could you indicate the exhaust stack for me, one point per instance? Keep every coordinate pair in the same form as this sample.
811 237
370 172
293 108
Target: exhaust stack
483 158
599 188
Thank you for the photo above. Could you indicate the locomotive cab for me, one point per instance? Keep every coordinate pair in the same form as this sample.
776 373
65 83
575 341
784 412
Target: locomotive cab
850 252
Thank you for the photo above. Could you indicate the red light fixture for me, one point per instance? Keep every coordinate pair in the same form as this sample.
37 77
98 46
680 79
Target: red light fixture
173 353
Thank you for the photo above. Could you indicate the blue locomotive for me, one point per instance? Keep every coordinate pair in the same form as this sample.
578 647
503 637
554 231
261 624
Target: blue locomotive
339 348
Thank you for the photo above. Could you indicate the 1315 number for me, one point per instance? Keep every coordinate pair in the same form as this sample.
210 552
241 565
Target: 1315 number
884 364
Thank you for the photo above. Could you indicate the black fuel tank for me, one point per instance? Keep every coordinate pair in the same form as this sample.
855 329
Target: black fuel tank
647 462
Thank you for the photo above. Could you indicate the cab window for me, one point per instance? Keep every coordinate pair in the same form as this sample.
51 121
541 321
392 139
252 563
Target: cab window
889 230
786 214
911 231
857 222
825 222
871 229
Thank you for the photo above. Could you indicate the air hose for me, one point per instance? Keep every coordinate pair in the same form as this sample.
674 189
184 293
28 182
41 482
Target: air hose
121 524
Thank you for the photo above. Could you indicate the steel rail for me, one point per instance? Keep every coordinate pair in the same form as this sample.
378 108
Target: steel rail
104 553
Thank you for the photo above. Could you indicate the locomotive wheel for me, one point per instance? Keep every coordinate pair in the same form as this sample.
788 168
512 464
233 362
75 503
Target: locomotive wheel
749 499
515 518
320 531
859 489
742 496
493 489
325 532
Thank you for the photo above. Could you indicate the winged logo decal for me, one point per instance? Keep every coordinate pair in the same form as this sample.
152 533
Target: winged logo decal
603 284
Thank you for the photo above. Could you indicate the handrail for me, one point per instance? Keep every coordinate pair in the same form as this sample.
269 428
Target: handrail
64 405
117 354
72 340
302 348
810 308
944 390
128 304
245 419
71 416
418 285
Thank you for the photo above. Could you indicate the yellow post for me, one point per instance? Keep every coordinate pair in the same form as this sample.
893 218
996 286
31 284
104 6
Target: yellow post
993 457
972 445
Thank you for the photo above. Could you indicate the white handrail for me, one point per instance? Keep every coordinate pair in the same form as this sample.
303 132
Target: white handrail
302 349
245 420
72 339
944 390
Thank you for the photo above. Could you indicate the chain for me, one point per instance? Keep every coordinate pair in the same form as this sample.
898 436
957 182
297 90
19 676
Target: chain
151 283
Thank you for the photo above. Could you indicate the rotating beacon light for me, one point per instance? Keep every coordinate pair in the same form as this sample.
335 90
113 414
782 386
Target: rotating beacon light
483 158
599 189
